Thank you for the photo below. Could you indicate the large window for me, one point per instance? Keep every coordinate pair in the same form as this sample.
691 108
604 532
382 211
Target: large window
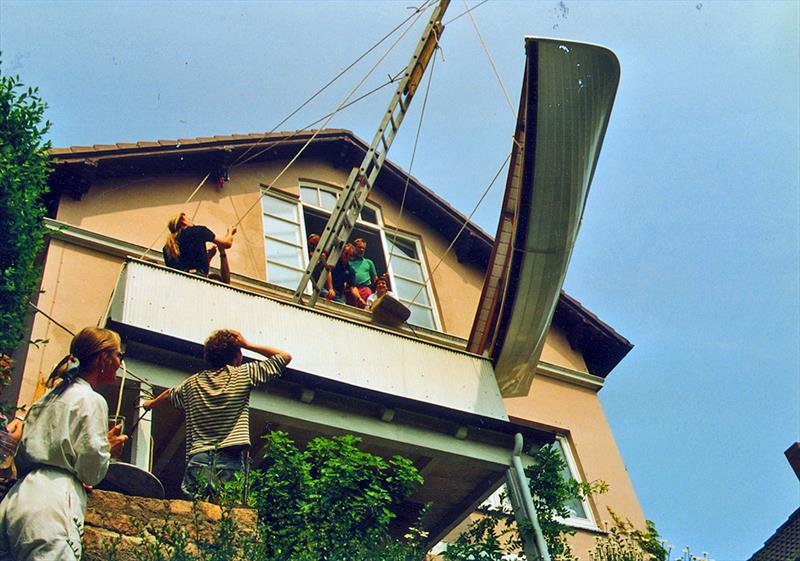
287 223
411 280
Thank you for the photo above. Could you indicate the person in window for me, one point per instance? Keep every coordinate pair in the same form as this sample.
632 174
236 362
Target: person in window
313 242
186 245
343 280
64 447
216 403
364 269
381 288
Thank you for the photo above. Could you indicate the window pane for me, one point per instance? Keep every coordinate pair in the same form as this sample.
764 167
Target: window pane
407 268
286 231
309 195
575 506
284 253
399 246
278 207
369 215
421 316
280 275
327 200
408 290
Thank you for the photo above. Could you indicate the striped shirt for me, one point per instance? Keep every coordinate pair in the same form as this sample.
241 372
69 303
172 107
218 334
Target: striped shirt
217 403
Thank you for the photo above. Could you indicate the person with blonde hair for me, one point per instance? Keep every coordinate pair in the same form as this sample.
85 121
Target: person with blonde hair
185 248
65 446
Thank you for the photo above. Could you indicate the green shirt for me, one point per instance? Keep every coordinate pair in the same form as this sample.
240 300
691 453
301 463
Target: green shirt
364 269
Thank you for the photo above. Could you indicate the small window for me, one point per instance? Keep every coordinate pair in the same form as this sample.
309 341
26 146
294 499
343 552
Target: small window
369 215
325 199
580 513
320 198
411 283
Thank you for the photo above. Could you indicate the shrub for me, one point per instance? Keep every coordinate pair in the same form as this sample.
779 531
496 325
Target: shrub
24 168
330 502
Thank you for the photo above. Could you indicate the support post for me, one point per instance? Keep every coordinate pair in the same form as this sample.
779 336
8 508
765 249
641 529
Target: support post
522 502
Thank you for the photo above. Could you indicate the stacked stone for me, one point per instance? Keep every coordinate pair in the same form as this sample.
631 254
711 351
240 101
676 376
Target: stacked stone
113 518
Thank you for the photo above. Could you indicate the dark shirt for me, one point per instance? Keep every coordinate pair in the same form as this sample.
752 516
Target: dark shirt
192 247
342 276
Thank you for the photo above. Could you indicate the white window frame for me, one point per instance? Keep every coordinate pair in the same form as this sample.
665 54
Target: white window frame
303 237
587 523
378 228
428 285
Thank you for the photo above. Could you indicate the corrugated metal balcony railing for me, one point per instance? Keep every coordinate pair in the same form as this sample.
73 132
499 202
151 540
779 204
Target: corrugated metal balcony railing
187 308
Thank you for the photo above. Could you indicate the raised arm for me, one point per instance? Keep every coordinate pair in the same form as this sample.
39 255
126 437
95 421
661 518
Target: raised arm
225 241
224 268
264 350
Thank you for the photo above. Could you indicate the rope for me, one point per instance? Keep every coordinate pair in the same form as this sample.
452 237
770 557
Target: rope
491 61
272 145
413 155
463 227
155 241
68 330
476 6
332 115
330 82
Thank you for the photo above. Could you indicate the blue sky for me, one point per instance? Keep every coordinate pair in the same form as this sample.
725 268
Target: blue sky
691 235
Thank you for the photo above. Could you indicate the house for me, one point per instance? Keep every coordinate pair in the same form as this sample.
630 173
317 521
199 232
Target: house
412 390
784 544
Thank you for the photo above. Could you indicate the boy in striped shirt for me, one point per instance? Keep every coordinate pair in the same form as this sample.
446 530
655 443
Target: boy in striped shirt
216 403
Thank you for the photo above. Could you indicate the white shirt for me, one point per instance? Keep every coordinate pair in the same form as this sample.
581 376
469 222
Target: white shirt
64 443
374 296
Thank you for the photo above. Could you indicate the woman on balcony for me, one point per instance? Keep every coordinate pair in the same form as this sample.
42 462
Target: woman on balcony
186 245
65 446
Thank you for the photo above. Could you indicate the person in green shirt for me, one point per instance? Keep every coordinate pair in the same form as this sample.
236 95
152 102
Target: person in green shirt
365 272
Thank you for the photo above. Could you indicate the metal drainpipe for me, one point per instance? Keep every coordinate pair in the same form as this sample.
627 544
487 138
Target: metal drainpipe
527 499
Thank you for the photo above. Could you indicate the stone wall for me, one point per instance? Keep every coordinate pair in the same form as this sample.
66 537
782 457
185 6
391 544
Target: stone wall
129 521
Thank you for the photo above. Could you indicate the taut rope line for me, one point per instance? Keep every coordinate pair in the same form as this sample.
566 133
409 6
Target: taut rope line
339 75
463 227
418 14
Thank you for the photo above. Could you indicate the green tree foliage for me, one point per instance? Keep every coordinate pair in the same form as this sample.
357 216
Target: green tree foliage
329 502
496 533
24 168
624 542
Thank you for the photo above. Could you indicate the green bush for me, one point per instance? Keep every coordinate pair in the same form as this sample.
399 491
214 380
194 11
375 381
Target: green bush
495 534
330 502
24 168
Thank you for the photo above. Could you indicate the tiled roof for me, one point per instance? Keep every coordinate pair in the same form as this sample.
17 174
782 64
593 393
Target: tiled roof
104 149
784 545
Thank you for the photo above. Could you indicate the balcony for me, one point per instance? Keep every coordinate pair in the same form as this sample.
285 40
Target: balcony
401 394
